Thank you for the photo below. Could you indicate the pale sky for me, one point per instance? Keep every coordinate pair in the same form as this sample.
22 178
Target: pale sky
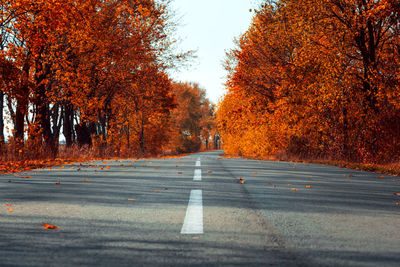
210 26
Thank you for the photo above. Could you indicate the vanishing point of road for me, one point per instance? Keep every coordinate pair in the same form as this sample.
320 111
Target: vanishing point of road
195 211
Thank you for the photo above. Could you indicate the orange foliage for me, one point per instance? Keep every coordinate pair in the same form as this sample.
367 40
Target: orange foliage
94 71
316 79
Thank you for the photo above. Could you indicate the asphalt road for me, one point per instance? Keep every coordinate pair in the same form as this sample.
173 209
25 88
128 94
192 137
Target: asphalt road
193 211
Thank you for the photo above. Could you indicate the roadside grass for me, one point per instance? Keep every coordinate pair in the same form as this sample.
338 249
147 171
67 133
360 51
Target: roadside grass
389 169
29 160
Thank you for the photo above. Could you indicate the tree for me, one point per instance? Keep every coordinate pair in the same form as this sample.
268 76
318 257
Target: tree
315 79
192 119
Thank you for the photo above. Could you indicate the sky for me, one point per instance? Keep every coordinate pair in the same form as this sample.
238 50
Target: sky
210 26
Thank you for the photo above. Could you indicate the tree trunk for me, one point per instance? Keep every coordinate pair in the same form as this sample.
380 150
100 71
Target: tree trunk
1 119
68 123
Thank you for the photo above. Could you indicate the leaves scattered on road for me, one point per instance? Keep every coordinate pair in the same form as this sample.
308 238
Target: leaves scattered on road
50 227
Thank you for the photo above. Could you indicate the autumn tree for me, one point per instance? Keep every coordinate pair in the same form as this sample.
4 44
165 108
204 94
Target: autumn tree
315 79
76 67
192 120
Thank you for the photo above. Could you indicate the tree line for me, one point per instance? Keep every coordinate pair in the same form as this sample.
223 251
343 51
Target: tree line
93 71
316 79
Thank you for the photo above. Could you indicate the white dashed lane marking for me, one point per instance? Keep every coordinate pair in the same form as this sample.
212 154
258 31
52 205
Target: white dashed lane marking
193 223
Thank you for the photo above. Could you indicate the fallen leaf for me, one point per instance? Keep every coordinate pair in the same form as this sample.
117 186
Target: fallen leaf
156 191
255 172
107 167
58 182
155 168
308 186
398 203
131 199
180 172
209 171
269 183
294 189
78 169
101 168
85 180
274 186
351 175
164 188
49 226
8 205
26 177
383 176
396 194
10 210
289 184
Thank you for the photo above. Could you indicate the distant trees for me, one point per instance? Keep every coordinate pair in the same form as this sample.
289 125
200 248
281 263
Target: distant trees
94 71
316 79
192 120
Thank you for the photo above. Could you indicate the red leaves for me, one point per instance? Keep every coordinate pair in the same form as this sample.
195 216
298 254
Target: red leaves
240 180
50 227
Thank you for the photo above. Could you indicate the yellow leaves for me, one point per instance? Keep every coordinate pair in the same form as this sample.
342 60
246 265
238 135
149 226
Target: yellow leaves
50 227
9 209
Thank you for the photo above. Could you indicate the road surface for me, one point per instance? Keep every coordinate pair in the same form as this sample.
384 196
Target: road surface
194 211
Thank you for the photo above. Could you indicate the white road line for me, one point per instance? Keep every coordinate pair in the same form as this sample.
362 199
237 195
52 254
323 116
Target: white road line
197 175
198 163
193 223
